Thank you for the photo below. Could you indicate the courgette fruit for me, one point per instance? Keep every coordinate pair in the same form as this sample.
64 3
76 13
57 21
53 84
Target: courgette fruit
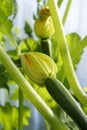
62 96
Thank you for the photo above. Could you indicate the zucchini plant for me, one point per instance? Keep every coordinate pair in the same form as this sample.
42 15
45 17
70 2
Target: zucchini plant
41 70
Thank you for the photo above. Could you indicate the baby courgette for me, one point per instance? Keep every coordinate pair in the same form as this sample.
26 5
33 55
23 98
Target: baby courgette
61 95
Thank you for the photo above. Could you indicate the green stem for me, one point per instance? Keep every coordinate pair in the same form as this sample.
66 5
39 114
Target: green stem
66 11
20 116
48 127
31 94
67 62
46 46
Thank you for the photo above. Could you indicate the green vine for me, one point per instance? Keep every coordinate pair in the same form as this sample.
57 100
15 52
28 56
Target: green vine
20 116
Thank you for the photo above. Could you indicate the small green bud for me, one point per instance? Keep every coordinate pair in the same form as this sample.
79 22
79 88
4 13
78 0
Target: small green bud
43 26
38 66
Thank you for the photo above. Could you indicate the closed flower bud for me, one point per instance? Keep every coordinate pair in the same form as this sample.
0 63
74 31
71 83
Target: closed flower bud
38 66
43 26
44 12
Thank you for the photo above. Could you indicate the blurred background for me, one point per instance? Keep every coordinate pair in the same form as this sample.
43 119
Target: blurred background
76 22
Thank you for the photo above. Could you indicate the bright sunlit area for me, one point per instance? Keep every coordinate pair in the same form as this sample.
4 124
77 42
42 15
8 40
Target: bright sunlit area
43 65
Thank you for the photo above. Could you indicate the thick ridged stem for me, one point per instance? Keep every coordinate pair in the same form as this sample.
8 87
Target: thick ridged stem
67 62
31 94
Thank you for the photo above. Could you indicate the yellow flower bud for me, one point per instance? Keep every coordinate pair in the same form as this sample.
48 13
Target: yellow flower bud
38 66
44 12
43 26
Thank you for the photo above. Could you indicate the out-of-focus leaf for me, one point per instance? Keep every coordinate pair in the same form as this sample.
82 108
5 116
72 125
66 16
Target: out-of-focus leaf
55 49
73 41
4 78
83 107
60 113
65 118
76 48
78 51
1 36
85 89
6 26
13 54
45 95
60 2
28 29
71 124
15 9
6 11
38 1
26 116
6 6
9 116
15 95
29 45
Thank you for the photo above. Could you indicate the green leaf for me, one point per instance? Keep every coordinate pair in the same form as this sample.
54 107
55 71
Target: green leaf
6 26
45 95
38 1
60 2
28 29
9 116
76 48
78 51
6 6
26 115
29 45
55 49
6 11
15 9
15 95
73 41
13 53
71 124
1 36
4 78
60 113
